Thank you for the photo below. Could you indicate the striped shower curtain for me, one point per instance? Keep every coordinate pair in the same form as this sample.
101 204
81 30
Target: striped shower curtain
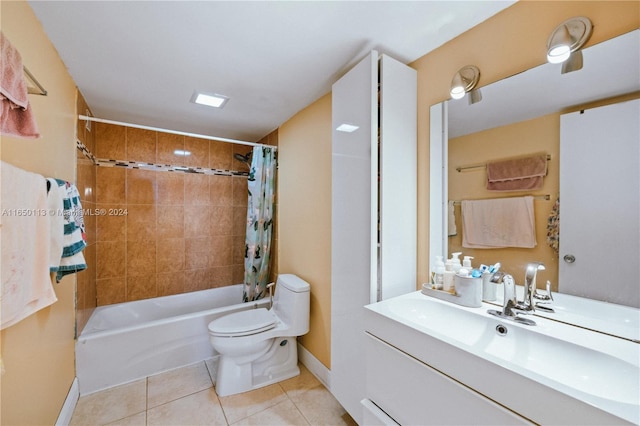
261 184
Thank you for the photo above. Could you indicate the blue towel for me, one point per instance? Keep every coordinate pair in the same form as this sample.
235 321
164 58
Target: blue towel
75 238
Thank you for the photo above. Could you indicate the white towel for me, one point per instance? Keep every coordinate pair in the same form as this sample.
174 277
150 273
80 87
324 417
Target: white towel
26 283
498 223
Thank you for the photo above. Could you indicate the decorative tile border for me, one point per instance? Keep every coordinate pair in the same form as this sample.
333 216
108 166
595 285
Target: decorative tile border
102 162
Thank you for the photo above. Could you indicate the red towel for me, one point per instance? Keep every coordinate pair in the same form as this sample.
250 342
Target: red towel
16 115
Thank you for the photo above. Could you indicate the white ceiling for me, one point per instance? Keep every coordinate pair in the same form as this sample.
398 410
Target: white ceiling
140 61
611 68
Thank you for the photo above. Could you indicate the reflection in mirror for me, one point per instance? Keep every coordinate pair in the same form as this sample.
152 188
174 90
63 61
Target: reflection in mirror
520 116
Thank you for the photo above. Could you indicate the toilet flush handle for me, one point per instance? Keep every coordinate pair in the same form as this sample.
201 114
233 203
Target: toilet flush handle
270 287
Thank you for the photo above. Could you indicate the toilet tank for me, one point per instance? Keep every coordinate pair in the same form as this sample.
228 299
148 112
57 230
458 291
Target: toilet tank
291 303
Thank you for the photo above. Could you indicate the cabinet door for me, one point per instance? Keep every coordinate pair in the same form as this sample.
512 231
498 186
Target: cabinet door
353 231
600 203
412 393
398 178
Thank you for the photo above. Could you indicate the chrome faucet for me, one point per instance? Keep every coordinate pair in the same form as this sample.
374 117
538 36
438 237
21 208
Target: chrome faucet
510 306
530 285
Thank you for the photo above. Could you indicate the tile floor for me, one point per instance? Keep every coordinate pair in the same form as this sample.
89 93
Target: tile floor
186 396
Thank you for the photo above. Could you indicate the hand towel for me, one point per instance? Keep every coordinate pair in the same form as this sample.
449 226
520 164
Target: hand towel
26 285
16 115
74 236
451 220
498 223
519 174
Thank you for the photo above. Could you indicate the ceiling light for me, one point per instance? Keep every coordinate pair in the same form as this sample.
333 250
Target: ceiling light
212 100
465 80
347 128
565 43
181 152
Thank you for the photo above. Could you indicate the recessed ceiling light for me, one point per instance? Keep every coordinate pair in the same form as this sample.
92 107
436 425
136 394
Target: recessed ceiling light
348 128
181 152
212 100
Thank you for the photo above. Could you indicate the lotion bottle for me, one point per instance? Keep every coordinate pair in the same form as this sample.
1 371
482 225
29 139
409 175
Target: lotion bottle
449 277
438 277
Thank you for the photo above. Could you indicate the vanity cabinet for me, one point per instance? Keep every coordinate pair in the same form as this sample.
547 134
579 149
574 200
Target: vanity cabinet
411 392
373 207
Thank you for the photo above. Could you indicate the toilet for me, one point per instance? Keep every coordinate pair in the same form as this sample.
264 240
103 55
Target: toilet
258 347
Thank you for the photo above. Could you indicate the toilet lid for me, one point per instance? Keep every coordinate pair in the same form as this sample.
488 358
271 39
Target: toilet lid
243 323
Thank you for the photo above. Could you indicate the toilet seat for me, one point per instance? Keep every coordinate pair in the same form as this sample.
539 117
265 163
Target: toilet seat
243 323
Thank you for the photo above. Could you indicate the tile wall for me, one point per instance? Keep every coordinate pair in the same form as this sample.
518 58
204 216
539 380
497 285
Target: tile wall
159 233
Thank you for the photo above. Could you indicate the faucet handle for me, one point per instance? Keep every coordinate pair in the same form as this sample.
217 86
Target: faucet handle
548 296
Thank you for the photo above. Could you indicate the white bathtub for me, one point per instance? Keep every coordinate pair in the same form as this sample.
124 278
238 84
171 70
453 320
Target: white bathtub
132 340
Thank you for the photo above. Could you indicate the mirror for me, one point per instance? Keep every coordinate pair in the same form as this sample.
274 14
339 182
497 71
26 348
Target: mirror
520 116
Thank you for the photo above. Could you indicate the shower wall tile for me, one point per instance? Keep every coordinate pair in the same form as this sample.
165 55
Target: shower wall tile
141 186
110 185
141 145
141 258
180 232
110 259
171 188
199 149
111 227
111 290
141 287
170 283
220 155
220 190
171 255
168 144
196 190
170 222
111 141
221 221
196 221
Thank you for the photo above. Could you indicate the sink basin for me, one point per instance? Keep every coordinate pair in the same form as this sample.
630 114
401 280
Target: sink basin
599 369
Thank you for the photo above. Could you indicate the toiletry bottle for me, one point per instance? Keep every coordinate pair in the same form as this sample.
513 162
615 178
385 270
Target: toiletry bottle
438 277
448 282
466 263
455 258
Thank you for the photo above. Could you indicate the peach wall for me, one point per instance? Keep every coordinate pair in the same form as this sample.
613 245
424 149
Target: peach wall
38 352
304 188
167 232
506 44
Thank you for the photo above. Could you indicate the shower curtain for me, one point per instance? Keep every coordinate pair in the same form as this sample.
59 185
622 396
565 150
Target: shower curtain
261 183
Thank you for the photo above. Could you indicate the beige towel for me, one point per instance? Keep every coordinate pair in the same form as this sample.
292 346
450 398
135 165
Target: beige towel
518 174
16 115
24 260
499 222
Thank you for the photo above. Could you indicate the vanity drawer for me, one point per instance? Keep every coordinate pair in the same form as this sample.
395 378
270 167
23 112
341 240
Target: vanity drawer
412 393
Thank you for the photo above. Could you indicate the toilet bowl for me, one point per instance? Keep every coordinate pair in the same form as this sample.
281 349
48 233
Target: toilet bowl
258 347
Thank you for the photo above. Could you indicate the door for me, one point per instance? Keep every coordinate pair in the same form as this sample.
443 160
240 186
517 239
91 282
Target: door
600 203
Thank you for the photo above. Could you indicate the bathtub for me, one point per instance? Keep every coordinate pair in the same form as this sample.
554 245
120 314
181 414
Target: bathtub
129 341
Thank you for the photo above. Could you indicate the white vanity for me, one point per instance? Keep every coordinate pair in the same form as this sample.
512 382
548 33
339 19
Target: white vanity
433 362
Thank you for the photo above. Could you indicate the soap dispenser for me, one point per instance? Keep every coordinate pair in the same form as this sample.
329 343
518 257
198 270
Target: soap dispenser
438 277
455 259
466 263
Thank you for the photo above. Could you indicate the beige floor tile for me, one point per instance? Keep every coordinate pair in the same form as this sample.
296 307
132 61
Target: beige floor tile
319 407
202 408
139 419
212 366
112 404
300 383
175 384
284 413
237 407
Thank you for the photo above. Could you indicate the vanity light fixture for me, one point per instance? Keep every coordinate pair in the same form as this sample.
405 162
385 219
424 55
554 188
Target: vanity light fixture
465 80
565 42
208 99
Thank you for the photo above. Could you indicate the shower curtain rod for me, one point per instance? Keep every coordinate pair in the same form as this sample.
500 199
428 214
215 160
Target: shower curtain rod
175 132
